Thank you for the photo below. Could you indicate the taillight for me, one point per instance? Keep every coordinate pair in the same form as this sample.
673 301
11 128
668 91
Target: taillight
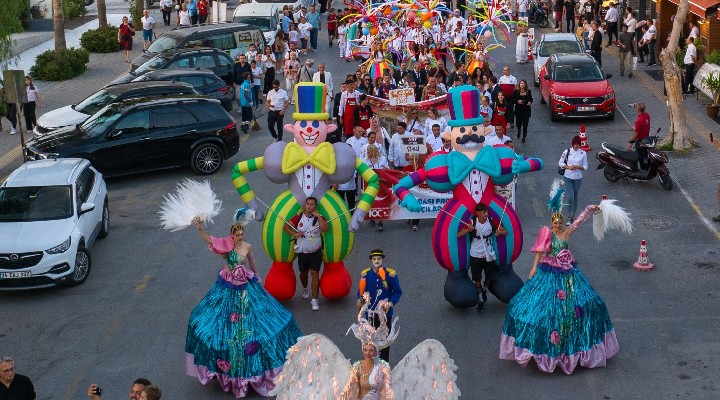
225 89
231 126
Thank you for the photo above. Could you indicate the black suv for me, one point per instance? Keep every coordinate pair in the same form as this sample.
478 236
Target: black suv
208 58
147 134
78 113
233 38
203 81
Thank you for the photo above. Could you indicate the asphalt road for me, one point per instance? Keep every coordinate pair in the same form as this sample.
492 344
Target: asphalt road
129 318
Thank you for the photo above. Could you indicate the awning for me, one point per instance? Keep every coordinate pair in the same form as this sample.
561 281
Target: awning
699 7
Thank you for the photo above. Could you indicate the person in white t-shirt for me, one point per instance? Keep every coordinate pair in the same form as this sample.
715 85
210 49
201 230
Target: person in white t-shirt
694 31
148 24
304 28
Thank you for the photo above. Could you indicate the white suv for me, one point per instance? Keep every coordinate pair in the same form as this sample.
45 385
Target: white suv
51 212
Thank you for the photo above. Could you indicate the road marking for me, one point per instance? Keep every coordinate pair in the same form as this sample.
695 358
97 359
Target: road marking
530 183
143 284
166 249
10 156
537 207
624 116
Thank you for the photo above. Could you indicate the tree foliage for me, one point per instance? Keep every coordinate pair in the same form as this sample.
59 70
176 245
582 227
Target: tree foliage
9 24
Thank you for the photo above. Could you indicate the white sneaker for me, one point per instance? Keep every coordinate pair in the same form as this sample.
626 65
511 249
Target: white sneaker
314 304
13 131
306 293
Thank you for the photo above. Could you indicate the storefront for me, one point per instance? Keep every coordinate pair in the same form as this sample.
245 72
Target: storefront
40 15
704 13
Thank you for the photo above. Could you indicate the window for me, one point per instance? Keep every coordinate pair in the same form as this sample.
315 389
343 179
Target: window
226 61
209 112
95 102
195 81
183 62
84 186
204 61
100 121
135 122
171 117
164 42
35 203
222 41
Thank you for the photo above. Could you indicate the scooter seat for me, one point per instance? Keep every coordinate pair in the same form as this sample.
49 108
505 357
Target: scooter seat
631 156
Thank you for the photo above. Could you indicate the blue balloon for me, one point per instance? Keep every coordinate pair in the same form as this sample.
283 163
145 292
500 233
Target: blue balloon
366 31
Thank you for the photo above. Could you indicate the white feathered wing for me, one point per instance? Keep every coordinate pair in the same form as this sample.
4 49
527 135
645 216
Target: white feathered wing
191 199
314 369
611 216
427 372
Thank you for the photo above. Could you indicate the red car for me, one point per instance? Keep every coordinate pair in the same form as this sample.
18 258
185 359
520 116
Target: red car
575 87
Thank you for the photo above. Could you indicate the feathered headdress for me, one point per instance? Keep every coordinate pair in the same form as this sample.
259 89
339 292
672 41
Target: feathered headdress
364 330
557 195
611 216
243 216
191 199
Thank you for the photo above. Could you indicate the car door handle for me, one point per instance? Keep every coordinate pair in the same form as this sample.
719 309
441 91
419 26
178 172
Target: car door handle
145 138
192 131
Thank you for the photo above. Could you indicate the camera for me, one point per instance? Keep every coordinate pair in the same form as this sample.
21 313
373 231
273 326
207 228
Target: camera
98 391
632 105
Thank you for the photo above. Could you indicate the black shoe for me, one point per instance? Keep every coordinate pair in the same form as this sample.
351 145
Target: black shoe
523 140
716 219
371 223
483 294
518 135
630 74
381 227
480 307
641 60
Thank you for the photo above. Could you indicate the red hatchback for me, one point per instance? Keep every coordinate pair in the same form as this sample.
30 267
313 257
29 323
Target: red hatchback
575 87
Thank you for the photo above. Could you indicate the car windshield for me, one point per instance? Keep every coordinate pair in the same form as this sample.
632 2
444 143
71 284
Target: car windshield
100 121
150 65
261 22
549 48
92 104
163 43
583 72
35 203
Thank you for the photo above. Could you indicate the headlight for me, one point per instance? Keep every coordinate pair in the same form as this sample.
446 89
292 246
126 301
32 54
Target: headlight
558 98
45 156
61 248
609 96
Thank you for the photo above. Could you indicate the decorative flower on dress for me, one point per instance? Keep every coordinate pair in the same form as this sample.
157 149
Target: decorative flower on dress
252 347
234 317
565 259
554 337
223 365
561 294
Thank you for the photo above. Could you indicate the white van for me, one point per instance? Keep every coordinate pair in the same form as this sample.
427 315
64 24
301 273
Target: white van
265 16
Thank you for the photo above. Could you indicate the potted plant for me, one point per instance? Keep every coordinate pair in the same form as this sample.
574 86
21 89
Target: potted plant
712 83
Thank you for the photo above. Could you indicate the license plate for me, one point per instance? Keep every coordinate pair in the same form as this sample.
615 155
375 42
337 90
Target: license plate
582 109
16 274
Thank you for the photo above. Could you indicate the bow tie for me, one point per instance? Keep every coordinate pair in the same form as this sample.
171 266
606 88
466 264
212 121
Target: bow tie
295 157
459 165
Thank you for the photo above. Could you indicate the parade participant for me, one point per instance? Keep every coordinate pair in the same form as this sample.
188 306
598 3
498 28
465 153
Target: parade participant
379 287
434 118
14 386
332 27
521 44
434 140
500 113
309 165
477 61
432 89
508 84
557 318
348 102
336 109
381 133
523 107
357 141
238 333
386 87
342 37
364 113
306 229
470 172
377 62
396 153
482 255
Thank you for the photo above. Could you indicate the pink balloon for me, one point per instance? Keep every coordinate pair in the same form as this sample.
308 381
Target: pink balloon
411 15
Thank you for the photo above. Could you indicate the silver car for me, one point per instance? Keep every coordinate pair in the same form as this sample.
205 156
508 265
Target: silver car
553 43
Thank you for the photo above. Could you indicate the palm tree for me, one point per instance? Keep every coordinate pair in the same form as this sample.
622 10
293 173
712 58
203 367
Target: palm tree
102 15
59 28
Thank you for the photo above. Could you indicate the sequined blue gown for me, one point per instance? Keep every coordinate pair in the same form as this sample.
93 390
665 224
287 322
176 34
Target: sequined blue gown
557 318
238 333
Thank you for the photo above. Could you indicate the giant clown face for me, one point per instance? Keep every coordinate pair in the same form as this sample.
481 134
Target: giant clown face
469 139
310 133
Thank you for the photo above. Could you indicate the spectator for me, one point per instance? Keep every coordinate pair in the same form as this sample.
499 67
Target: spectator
10 111
166 6
135 390
381 133
292 68
332 21
336 107
631 24
694 31
202 10
277 102
269 61
124 37
152 392
33 102
246 102
14 386
313 18
689 61
293 35
643 44
573 161
652 39
642 126
183 16
192 10
257 80
611 19
304 29
523 104
558 7
626 48
569 9
596 43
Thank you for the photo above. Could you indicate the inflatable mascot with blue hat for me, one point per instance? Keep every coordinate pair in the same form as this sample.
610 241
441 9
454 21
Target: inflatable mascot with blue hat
309 165
470 173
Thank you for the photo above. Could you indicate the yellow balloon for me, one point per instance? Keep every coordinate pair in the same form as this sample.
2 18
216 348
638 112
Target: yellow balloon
428 24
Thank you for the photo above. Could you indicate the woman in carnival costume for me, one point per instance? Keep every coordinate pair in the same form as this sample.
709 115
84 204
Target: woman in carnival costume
557 318
478 58
238 333
377 61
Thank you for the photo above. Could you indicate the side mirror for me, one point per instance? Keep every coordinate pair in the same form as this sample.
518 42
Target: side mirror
608 76
547 77
86 208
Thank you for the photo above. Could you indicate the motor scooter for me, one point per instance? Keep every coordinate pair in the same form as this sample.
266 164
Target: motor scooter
537 14
643 164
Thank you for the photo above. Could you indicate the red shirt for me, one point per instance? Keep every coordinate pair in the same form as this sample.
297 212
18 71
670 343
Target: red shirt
332 22
642 125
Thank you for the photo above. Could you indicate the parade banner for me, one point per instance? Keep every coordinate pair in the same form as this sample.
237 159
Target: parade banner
414 144
401 97
387 207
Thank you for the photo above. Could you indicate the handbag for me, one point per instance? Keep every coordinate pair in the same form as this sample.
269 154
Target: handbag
561 170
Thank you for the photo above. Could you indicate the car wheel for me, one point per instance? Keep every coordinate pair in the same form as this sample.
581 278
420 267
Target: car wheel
105 223
82 266
553 116
542 99
611 117
227 105
206 159
610 174
666 182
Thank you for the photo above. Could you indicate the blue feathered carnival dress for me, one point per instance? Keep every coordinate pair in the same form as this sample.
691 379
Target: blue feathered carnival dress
557 318
238 334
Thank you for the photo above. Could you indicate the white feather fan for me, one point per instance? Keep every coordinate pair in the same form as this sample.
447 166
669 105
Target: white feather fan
611 217
426 372
191 199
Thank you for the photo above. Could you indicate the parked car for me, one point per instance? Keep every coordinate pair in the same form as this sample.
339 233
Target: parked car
553 43
574 86
77 113
204 82
147 134
51 212
232 38
265 16
209 58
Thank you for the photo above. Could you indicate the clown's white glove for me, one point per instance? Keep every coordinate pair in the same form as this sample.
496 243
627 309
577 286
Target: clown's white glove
253 205
357 219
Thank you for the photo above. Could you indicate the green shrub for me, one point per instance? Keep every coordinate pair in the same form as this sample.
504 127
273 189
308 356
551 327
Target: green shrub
73 9
714 57
74 62
135 15
100 41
